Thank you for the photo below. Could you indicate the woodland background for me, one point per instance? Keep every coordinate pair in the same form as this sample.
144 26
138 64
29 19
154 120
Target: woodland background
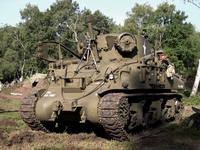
166 26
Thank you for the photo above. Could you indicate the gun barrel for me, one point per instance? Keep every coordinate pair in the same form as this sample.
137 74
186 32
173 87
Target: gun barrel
90 26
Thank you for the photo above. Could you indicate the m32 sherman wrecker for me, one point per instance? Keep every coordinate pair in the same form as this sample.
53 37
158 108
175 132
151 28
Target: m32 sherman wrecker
115 80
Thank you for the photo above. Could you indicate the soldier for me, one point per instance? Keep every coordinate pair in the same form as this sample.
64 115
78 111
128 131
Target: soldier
0 86
53 77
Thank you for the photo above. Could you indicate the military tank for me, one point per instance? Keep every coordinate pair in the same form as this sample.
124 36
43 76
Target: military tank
114 80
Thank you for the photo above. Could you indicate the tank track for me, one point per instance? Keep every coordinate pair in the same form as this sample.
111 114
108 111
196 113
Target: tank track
108 113
113 120
28 115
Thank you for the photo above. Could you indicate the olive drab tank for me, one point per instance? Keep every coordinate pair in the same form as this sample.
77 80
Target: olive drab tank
115 80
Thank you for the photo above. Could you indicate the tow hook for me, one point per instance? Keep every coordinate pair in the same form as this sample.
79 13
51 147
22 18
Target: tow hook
56 109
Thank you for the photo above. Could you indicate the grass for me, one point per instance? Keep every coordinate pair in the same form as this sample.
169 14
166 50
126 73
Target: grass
193 101
176 136
8 104
15 117
9 89
9 110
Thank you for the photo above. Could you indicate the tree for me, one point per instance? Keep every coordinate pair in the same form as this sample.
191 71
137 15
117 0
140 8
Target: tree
179 45
197 79
196 82
160 19
168 30
138 18
155 21
62 22
64 16
33 28
12 58
194 2
99 20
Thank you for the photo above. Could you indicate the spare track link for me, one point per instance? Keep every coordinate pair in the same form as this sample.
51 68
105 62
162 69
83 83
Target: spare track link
28 115
109 116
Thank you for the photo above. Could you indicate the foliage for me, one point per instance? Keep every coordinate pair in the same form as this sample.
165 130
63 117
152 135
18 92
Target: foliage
62 22
160 20
194 2
65 22
168 30
180 47
193 101
11 54
138 18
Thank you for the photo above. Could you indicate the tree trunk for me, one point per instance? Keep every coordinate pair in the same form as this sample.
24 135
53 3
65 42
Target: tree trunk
196 82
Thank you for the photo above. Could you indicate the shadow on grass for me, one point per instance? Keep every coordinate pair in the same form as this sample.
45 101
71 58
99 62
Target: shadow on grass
176 136
76 128
2 110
